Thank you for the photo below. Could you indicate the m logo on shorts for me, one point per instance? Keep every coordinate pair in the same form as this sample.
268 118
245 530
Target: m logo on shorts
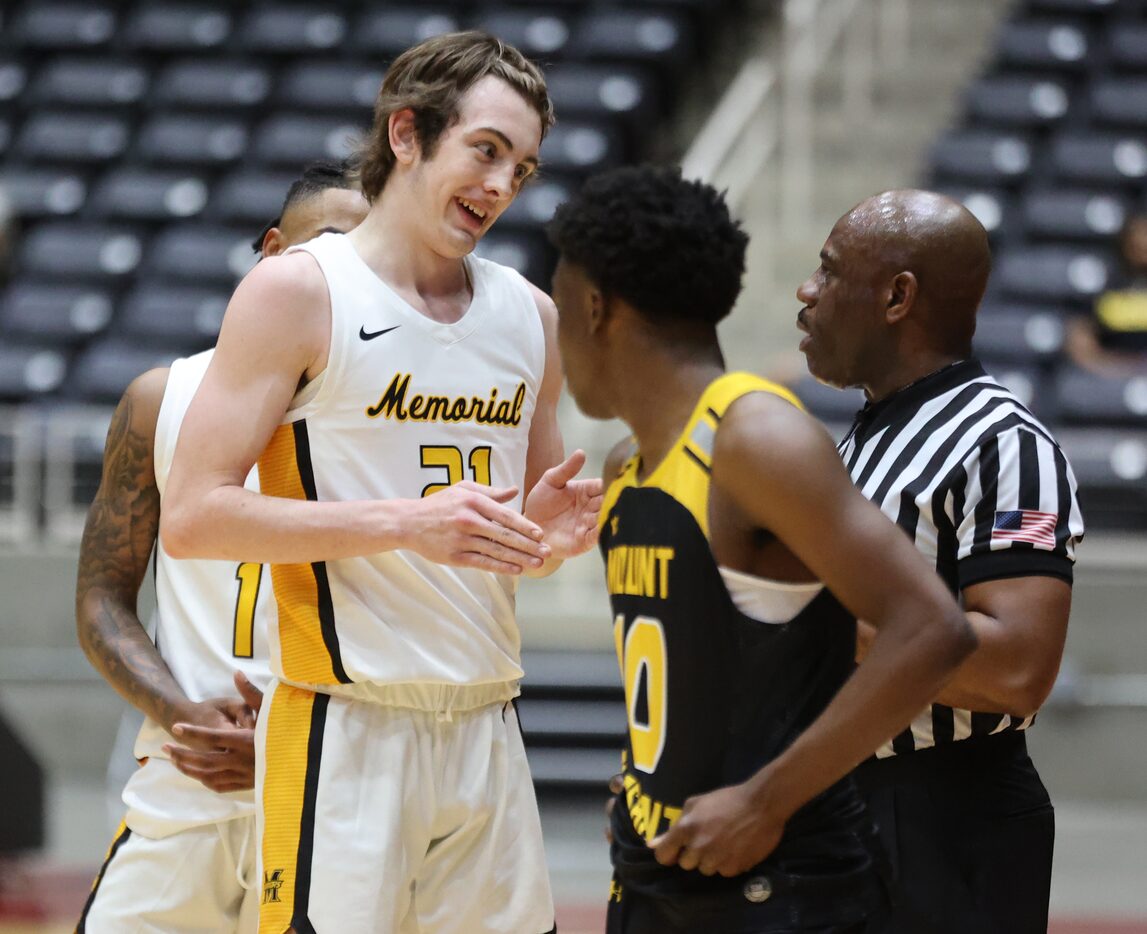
272 882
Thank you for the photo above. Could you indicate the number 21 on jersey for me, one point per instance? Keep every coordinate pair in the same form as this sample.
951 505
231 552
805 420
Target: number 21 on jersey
449 458
645 671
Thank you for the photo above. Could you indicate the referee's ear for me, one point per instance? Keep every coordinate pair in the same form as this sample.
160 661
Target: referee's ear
901 297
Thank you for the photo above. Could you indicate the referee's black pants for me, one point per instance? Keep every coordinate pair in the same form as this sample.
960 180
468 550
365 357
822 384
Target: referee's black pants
969 829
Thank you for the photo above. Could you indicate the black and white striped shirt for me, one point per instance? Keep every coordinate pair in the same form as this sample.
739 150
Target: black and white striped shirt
983 489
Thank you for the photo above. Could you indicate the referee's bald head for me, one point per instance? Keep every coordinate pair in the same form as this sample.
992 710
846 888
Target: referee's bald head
940 243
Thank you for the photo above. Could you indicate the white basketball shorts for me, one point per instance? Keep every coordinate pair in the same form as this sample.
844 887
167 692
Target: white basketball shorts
195 880
383 819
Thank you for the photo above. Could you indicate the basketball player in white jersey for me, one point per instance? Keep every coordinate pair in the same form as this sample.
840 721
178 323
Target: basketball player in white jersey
184 859
403 489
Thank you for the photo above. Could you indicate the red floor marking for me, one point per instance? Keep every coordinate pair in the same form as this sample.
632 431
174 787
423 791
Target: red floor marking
1096 926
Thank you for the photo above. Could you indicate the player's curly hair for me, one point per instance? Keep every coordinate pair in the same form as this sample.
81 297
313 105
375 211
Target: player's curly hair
431 79
666 245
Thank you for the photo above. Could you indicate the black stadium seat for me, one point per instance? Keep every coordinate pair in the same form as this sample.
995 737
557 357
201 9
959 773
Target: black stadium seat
13 79
201 253
993 207
179 27
210 84
148 194
982 156
83 82
1058 45
537 201
1056 273
1087 398
72 137
186 316
1079 215
386 33
292 29
1127 44
1017 100
581 147
1100 157
623 95
49 313
1083 7
30 370
192 140
91 251
47 25
652 36
294 140
250 197
542 33
1110 465
327 85
1015 336
36 193
105 369
1120 101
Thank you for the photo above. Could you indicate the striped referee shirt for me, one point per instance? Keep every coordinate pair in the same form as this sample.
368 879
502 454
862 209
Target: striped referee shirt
983 490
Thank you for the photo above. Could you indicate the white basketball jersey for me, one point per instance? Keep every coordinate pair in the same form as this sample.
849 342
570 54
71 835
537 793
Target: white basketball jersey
406 406
210 620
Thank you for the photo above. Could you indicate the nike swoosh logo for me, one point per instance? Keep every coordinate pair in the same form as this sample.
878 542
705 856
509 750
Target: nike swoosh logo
366 335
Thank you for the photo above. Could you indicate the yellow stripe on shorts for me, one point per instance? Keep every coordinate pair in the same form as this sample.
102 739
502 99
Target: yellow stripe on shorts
290 786
121 834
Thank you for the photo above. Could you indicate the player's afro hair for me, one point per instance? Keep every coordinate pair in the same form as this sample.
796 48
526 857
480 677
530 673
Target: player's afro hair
666 245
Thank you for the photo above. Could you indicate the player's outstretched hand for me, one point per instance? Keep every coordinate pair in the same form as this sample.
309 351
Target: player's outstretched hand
467 525
218 740
565 508
724 831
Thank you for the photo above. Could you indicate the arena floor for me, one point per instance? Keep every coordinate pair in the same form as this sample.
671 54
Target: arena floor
1098 888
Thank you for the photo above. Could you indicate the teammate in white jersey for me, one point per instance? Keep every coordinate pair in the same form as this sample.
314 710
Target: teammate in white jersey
408 487
184 859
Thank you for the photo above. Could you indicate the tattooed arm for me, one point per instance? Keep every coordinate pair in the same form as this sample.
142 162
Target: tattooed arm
119 536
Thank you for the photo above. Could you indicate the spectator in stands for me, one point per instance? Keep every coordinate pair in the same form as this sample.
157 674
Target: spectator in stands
388 731
727 509
986 494
1113 339
197 828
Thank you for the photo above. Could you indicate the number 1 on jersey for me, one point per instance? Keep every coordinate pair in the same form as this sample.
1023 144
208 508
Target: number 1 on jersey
249 576
644 663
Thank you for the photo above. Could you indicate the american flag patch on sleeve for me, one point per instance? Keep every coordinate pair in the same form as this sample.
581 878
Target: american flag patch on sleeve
1025 525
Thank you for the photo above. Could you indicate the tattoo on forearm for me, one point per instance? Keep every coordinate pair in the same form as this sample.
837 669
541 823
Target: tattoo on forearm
119 535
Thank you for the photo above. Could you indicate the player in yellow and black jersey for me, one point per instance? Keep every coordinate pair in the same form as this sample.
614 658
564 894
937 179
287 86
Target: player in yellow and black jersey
738 556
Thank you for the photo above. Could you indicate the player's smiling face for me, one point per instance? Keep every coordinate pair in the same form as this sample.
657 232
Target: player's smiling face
479 163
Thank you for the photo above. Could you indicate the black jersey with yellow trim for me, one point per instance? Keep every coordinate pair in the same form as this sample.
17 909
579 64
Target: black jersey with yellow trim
712 694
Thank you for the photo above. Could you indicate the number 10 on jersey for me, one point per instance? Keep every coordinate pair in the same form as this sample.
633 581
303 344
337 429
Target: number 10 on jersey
645 670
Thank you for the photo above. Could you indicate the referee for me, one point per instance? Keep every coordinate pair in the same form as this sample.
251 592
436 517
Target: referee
986 494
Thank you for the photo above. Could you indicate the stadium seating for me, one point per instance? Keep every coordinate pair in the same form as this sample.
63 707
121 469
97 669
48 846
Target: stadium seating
1050 153
144 145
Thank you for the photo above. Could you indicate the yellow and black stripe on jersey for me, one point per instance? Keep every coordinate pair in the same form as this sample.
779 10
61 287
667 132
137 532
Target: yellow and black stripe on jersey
712 694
